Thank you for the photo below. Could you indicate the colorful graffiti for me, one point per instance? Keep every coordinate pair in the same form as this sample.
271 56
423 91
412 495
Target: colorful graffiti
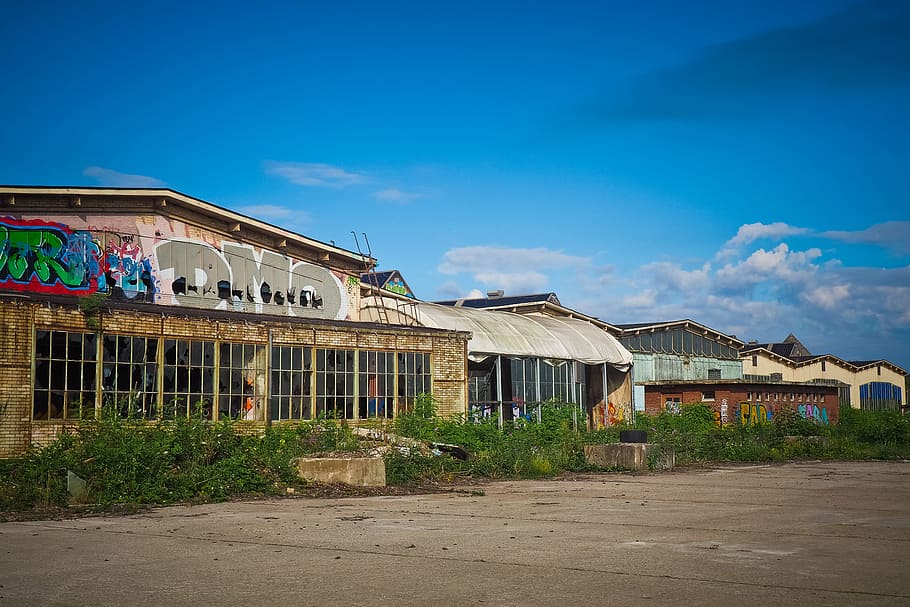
46 257
239 278
814 412
615 415
127 272
751 414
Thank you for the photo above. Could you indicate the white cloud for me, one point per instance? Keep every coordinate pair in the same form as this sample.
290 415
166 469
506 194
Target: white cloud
779 264
750 232
515 271
396 195
498 259
828 297
112 178
314 174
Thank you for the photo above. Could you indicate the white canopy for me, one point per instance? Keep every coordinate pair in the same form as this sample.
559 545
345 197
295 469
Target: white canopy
527 335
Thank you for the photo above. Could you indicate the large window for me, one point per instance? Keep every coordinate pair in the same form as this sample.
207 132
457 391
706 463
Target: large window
880 396
335 383
129 375
377 384
241 381
537 380
292 383
189 378
413 378
65 367
152 378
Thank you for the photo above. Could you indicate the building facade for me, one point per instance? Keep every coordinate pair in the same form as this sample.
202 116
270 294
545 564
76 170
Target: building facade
154 304
874 385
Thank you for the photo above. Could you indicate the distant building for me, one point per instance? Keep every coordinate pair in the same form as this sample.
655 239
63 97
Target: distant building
683 362
872 385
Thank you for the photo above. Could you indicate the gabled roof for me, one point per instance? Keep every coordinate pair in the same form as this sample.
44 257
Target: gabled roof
502 301
802 361
171 203
685 323
389 280
533 304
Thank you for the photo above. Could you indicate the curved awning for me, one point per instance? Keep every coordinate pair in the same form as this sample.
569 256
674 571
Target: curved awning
527 335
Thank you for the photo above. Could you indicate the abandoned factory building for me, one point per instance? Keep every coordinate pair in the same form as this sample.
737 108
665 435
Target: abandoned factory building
155 304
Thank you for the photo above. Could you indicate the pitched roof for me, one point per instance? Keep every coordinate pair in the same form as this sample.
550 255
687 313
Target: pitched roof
498 302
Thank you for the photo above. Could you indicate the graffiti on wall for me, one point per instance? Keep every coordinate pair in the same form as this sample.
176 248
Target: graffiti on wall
751 414
127 272
47 257
814 412
721 417
756 413
238 278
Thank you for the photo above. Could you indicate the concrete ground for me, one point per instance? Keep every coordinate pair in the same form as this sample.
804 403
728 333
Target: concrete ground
805 533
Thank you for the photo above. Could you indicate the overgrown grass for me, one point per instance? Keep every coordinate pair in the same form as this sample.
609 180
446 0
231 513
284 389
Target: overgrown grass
696 438
133 462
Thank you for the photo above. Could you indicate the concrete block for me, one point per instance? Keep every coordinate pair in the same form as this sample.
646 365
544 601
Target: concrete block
357 471
631 456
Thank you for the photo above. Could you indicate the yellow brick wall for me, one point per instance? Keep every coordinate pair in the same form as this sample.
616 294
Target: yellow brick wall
18 319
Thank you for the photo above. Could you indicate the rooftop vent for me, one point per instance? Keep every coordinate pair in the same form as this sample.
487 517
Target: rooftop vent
495 294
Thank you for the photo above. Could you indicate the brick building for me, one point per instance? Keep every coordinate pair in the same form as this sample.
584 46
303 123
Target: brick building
745 401
155 304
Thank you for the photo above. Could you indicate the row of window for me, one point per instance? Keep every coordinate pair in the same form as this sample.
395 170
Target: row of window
539 380
76 373
757 397
679 341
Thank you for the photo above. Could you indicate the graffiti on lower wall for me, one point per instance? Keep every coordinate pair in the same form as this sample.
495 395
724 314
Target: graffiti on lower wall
814 412
47 257
751 414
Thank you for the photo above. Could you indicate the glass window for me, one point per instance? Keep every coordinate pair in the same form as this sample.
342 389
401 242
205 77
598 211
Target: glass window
646 343
129 375
65 366
188 384
241 381
292 383
377 384
414 378
688 348
335 383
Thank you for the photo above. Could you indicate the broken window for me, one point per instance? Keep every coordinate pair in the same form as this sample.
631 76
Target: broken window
335 383
129 375
292 390
413 378
65 365
241 382
377 384
189 378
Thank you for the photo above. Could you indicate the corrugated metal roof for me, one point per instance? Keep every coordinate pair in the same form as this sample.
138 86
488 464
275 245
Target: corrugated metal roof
527 335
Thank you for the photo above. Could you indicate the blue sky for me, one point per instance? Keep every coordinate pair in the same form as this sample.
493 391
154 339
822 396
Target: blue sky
743 164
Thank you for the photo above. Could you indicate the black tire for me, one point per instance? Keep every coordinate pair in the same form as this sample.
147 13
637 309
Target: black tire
633 436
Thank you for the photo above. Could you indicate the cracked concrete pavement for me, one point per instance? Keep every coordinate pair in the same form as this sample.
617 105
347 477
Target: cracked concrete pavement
813 533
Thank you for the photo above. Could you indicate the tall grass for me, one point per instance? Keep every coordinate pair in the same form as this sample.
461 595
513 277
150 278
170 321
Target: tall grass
127 461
